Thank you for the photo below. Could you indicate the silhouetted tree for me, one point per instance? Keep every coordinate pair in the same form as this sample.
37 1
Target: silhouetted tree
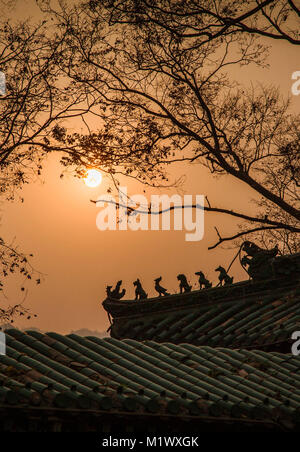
159 73
36 99
156 76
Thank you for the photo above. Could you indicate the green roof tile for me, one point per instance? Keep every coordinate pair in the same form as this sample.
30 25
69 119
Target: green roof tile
150 377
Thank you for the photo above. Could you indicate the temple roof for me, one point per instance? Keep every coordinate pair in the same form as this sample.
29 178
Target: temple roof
252 314
208 359
90 375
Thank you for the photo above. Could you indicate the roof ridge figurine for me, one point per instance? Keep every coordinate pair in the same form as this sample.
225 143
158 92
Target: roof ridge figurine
259 261
184 285
203 281
223 276
140 294
161 290
116 292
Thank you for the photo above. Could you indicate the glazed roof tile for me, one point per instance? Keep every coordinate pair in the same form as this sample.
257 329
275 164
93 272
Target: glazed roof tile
52 371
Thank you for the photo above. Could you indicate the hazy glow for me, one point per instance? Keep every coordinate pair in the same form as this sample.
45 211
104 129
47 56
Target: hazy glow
93 178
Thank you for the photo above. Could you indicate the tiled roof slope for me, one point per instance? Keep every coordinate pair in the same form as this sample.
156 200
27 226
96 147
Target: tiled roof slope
55 372
248 314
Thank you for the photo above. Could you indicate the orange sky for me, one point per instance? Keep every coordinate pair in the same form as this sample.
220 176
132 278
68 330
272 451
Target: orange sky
57 223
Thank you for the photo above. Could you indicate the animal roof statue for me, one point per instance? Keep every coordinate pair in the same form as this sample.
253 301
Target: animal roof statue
224 278
140 294
258 260
161 290
116 293
184 285
203 281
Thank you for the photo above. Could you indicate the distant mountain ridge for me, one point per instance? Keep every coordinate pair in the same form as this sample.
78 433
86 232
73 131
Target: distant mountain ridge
86 332
81 332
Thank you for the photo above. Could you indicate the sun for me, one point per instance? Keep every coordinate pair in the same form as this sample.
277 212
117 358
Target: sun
93 178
